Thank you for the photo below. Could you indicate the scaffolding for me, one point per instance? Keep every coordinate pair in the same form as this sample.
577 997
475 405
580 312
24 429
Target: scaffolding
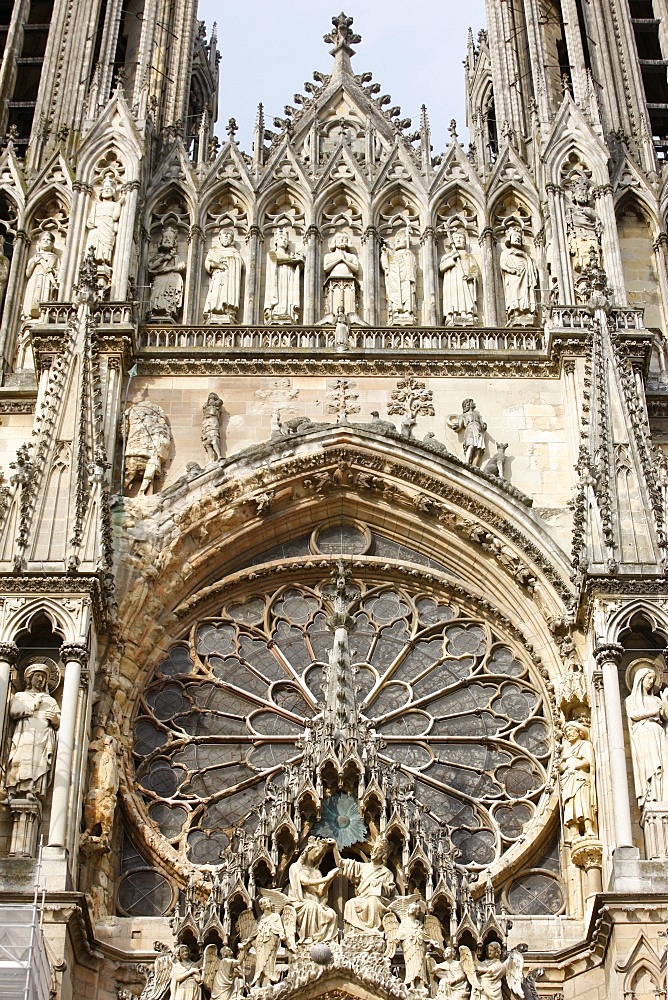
25 972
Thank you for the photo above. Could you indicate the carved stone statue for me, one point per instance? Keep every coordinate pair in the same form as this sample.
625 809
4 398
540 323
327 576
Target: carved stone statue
282 296
223 263
226 981
453 980
147 443
166 270
577 769
268 936
461 274
520 279
100 804
341 266
474 427
648 714
211 427
583 227
400 269
316 921
375 884
414 945
102 226
43 273
36 718
492 972
186 977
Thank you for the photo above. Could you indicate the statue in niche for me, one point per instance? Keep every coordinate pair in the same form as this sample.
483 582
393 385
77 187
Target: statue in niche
316 921
102 227
282 297
583 227
461 274
342 267
648 714
43 273
400 268
211 412
36 719
147 443
223 263
520 278
474 427
166 270
577 769
186 977
375 884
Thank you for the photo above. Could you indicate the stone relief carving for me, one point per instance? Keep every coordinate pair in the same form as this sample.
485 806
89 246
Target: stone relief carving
342 266
471 423
36 717
43 273
211 413
520 277
166 269
647 712
223 264
282 300
577 769
148 439
461 274
400 268
102 225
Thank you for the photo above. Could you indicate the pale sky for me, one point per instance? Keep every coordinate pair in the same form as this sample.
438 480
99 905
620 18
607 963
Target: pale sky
414 50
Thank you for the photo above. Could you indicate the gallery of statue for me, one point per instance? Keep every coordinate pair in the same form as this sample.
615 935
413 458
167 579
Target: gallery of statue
333 497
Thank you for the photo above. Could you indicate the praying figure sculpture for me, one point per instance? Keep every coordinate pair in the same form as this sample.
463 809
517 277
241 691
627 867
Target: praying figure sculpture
461 274
102 227
282 296
166 270
224 265
342 267
647 712
400 268
520 278
36 719
474 427
43 273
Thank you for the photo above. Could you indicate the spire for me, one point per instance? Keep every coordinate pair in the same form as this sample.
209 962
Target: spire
258 138
425 139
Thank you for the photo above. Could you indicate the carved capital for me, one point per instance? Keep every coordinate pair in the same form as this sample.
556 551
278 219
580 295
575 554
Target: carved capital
370 233
554 189
254 233
312 233
587 853
604 189
661 242
608 653
196 232
597 680
428 236
73 651
9 652
486 234
569 366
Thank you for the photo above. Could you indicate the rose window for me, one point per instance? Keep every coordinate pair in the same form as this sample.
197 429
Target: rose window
456 703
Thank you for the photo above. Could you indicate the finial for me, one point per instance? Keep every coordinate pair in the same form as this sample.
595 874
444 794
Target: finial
342 37
232 129
453 130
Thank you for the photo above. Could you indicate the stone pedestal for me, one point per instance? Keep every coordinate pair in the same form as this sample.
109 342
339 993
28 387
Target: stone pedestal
654 823
27 815
587 853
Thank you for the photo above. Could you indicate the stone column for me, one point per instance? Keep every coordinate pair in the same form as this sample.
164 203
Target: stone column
14 298
608 658
368 307
74 657
9 652
193 276
430 305
312 239
123 251
660 255
561 266
252 308
73 253
575 52
612 258
587 854
491 317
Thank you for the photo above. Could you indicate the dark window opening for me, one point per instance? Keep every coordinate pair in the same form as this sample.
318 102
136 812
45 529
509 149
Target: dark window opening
98 35
584 37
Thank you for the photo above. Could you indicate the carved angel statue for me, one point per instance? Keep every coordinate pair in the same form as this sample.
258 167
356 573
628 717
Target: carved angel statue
186 978
414 934
221 973
307 895
493 973
456 976
266 934
159 976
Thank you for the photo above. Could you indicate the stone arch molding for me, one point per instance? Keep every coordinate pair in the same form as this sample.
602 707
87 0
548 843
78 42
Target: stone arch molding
610 629
68 617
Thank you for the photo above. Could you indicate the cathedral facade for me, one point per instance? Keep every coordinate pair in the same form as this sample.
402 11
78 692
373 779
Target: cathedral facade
333 552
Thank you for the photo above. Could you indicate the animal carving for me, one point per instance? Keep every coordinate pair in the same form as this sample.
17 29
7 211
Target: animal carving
494 465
